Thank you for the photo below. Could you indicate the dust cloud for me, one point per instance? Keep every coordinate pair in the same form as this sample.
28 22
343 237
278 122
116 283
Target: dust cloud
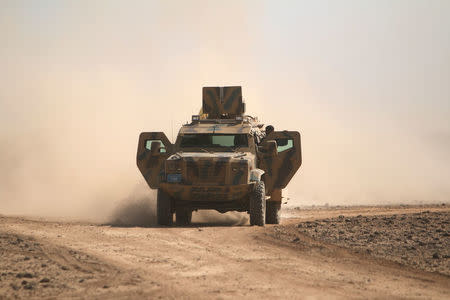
138 209
79 83
211 217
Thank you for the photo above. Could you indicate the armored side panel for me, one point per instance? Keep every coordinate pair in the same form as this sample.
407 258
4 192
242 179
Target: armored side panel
153 150
223 101
280 169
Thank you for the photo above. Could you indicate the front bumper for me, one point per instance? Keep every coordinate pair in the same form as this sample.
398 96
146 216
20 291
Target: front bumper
222 193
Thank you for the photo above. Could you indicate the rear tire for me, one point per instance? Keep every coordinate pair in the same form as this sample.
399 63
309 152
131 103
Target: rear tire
183 216
164 212
273 212
258 204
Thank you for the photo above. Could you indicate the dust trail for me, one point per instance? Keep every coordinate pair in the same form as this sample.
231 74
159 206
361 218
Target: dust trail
138 209
212 217
77 86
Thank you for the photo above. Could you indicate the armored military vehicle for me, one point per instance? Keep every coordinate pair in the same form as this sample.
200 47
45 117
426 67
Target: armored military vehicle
223 160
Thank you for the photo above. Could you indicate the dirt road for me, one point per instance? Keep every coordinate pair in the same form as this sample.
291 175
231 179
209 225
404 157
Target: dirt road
42 258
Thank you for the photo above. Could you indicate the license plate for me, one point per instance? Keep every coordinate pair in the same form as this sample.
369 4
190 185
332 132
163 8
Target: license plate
173 178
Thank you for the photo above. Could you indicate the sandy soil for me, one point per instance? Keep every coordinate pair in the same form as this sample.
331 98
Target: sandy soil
304 257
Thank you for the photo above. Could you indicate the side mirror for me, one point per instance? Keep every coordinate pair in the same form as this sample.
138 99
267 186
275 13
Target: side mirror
269 148
155 148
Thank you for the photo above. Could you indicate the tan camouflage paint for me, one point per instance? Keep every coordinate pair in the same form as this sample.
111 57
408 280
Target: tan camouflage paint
211 171
213 176
152 165
219 101
280 169
213 127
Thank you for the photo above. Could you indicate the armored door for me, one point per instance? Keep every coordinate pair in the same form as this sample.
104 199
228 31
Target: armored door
281 166
153 150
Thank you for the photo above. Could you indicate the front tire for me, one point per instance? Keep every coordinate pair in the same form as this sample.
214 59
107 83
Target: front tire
258 204
273 212
164 212
183 216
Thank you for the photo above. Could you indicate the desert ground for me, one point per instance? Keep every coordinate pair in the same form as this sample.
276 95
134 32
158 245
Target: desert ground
384 252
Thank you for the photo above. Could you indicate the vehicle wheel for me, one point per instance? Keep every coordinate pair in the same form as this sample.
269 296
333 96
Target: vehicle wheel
258 204
164 208
183 216
273 212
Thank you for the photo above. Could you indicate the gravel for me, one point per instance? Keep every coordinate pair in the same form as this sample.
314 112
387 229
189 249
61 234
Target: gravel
420 240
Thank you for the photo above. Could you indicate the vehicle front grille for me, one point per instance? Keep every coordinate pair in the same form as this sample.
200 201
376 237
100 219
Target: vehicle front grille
206 172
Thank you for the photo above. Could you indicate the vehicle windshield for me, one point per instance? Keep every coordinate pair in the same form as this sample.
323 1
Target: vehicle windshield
231 141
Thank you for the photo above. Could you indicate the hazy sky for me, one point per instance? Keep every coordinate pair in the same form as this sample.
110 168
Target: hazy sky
367 83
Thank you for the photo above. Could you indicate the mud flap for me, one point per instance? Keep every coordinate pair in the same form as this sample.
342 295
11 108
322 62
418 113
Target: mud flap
151 163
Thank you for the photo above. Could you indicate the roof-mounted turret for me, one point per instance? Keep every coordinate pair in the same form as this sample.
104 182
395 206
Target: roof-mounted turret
223 102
